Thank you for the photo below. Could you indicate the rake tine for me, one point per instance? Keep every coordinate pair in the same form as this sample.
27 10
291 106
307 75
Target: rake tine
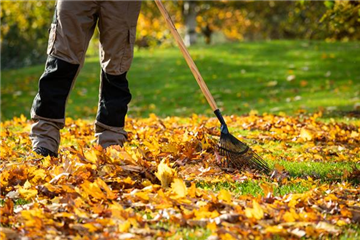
263 167
259 162
256 157
232 152
239 159
235 163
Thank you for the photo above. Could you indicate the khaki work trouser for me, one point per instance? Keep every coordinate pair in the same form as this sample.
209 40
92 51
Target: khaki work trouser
71 30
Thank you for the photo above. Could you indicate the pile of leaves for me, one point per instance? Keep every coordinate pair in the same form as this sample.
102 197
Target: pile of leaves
167 182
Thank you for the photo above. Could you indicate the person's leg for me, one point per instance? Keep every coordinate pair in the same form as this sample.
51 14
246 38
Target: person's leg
117 27
71 30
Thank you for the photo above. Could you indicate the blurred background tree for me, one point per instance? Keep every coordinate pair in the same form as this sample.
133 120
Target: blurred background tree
24 24
24 32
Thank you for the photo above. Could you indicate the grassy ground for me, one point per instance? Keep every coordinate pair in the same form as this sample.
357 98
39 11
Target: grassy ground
277 76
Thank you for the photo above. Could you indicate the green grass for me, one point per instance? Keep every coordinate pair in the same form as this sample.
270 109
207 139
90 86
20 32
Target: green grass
241 76
19 201
252 187
323 172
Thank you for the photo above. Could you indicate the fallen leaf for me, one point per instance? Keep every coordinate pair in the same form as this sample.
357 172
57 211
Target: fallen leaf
224 195
178 186
306 134
255 212
165 174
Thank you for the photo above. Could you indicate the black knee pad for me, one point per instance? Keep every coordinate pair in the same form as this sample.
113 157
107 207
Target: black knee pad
54 87
114 99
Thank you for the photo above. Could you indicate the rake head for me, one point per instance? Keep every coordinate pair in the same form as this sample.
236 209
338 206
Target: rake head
237 153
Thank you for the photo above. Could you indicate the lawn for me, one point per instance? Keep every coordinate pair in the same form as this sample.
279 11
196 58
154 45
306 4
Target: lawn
296 103
272 77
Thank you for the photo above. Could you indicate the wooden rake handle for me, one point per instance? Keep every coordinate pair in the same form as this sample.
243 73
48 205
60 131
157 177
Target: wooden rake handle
187 56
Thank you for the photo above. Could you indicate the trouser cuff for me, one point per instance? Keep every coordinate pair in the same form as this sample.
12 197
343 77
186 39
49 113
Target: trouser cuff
45 134
108 135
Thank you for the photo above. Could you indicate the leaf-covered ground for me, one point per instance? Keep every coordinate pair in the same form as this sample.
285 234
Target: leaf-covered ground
166 182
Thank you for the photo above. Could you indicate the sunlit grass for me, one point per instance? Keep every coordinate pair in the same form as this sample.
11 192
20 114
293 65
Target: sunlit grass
276 76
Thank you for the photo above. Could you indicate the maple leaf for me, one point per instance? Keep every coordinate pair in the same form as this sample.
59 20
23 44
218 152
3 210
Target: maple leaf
93 189
27 191
224 195
291 216
255 212
306 134
165 173
275 229
178 187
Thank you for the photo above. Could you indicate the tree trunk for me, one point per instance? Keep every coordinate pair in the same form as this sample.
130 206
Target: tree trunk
189 13
207 31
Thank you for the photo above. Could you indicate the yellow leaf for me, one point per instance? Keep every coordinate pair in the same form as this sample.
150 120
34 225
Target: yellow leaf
308 216
255 212
27 185
117 210
29 214
170 148
192 190
93 190
205 144
274 229
104 186
341 223
293 199
146 183
46 162
227 236
27 193
267 188
128 180
224 195
178 186
39 174
81 213
124 227
142 195
306 134
354 134
165 174
290 216
204 212
90 227
211 226
91 156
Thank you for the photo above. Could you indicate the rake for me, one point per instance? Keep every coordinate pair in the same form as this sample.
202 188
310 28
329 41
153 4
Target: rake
236 153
